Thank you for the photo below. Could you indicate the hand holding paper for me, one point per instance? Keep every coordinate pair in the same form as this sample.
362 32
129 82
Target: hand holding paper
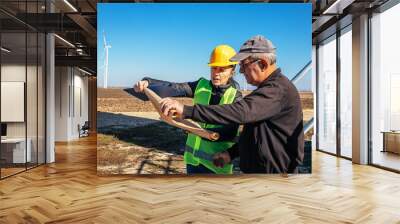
171 107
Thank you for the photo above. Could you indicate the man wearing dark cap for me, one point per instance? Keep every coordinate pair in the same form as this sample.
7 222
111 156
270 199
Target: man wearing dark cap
272 139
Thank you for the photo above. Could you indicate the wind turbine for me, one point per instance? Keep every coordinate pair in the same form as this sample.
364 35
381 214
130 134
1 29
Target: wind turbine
106 47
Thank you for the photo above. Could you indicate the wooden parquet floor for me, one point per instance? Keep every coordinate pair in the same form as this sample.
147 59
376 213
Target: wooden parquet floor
69 191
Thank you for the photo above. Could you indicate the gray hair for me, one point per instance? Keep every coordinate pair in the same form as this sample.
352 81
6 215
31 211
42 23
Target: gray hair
269 57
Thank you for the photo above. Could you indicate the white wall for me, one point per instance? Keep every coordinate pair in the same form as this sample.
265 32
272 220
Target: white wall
80 109
33 126
61 103
12 73
71 94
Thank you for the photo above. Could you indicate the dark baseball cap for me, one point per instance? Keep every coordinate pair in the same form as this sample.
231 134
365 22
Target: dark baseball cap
256 44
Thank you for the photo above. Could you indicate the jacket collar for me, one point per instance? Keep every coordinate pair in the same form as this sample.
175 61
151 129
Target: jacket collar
271 77
222 88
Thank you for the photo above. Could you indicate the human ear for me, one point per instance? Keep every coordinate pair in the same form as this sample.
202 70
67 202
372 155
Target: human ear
262 64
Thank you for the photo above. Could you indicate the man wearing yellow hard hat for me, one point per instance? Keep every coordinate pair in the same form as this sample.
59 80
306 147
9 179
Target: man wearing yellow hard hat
221 89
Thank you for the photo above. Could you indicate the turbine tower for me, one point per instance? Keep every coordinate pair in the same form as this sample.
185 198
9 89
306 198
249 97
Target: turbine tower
106 47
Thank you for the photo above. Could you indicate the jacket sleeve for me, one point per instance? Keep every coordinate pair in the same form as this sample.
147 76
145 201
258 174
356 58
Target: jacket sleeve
261 104
171 89
226 132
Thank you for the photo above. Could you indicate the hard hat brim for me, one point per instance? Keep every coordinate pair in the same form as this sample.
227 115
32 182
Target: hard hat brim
219 64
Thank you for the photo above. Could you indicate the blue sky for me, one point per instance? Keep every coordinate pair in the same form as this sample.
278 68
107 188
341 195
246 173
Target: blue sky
173 41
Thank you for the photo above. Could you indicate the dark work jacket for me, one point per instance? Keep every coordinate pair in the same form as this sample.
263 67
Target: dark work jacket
187 89
272 139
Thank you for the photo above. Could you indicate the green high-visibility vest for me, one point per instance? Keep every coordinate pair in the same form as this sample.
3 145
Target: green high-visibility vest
201 151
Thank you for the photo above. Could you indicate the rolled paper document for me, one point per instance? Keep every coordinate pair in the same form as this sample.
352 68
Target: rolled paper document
185 124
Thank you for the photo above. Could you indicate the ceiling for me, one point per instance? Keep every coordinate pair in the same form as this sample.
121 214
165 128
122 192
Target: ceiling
76 22
331 15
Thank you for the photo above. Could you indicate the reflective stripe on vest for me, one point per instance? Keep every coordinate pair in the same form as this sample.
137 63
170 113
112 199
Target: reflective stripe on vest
201 151
198 153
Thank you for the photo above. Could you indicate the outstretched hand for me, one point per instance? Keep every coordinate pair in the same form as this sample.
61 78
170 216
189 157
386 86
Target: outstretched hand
140 86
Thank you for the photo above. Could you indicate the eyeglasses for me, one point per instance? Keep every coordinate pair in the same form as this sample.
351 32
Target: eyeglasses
243 66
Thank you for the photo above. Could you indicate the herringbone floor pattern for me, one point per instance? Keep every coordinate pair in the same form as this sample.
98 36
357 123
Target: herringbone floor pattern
69 191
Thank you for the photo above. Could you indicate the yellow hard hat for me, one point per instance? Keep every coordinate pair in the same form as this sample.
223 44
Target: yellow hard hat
220 56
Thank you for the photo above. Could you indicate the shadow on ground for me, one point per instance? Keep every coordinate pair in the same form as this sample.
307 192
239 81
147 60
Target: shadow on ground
156 135
109 120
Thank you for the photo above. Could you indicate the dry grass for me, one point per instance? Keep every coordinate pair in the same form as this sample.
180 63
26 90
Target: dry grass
114 157
151 149
108 157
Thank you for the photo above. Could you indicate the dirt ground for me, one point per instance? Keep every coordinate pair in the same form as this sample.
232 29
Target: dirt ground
147 149
132 140
118 100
